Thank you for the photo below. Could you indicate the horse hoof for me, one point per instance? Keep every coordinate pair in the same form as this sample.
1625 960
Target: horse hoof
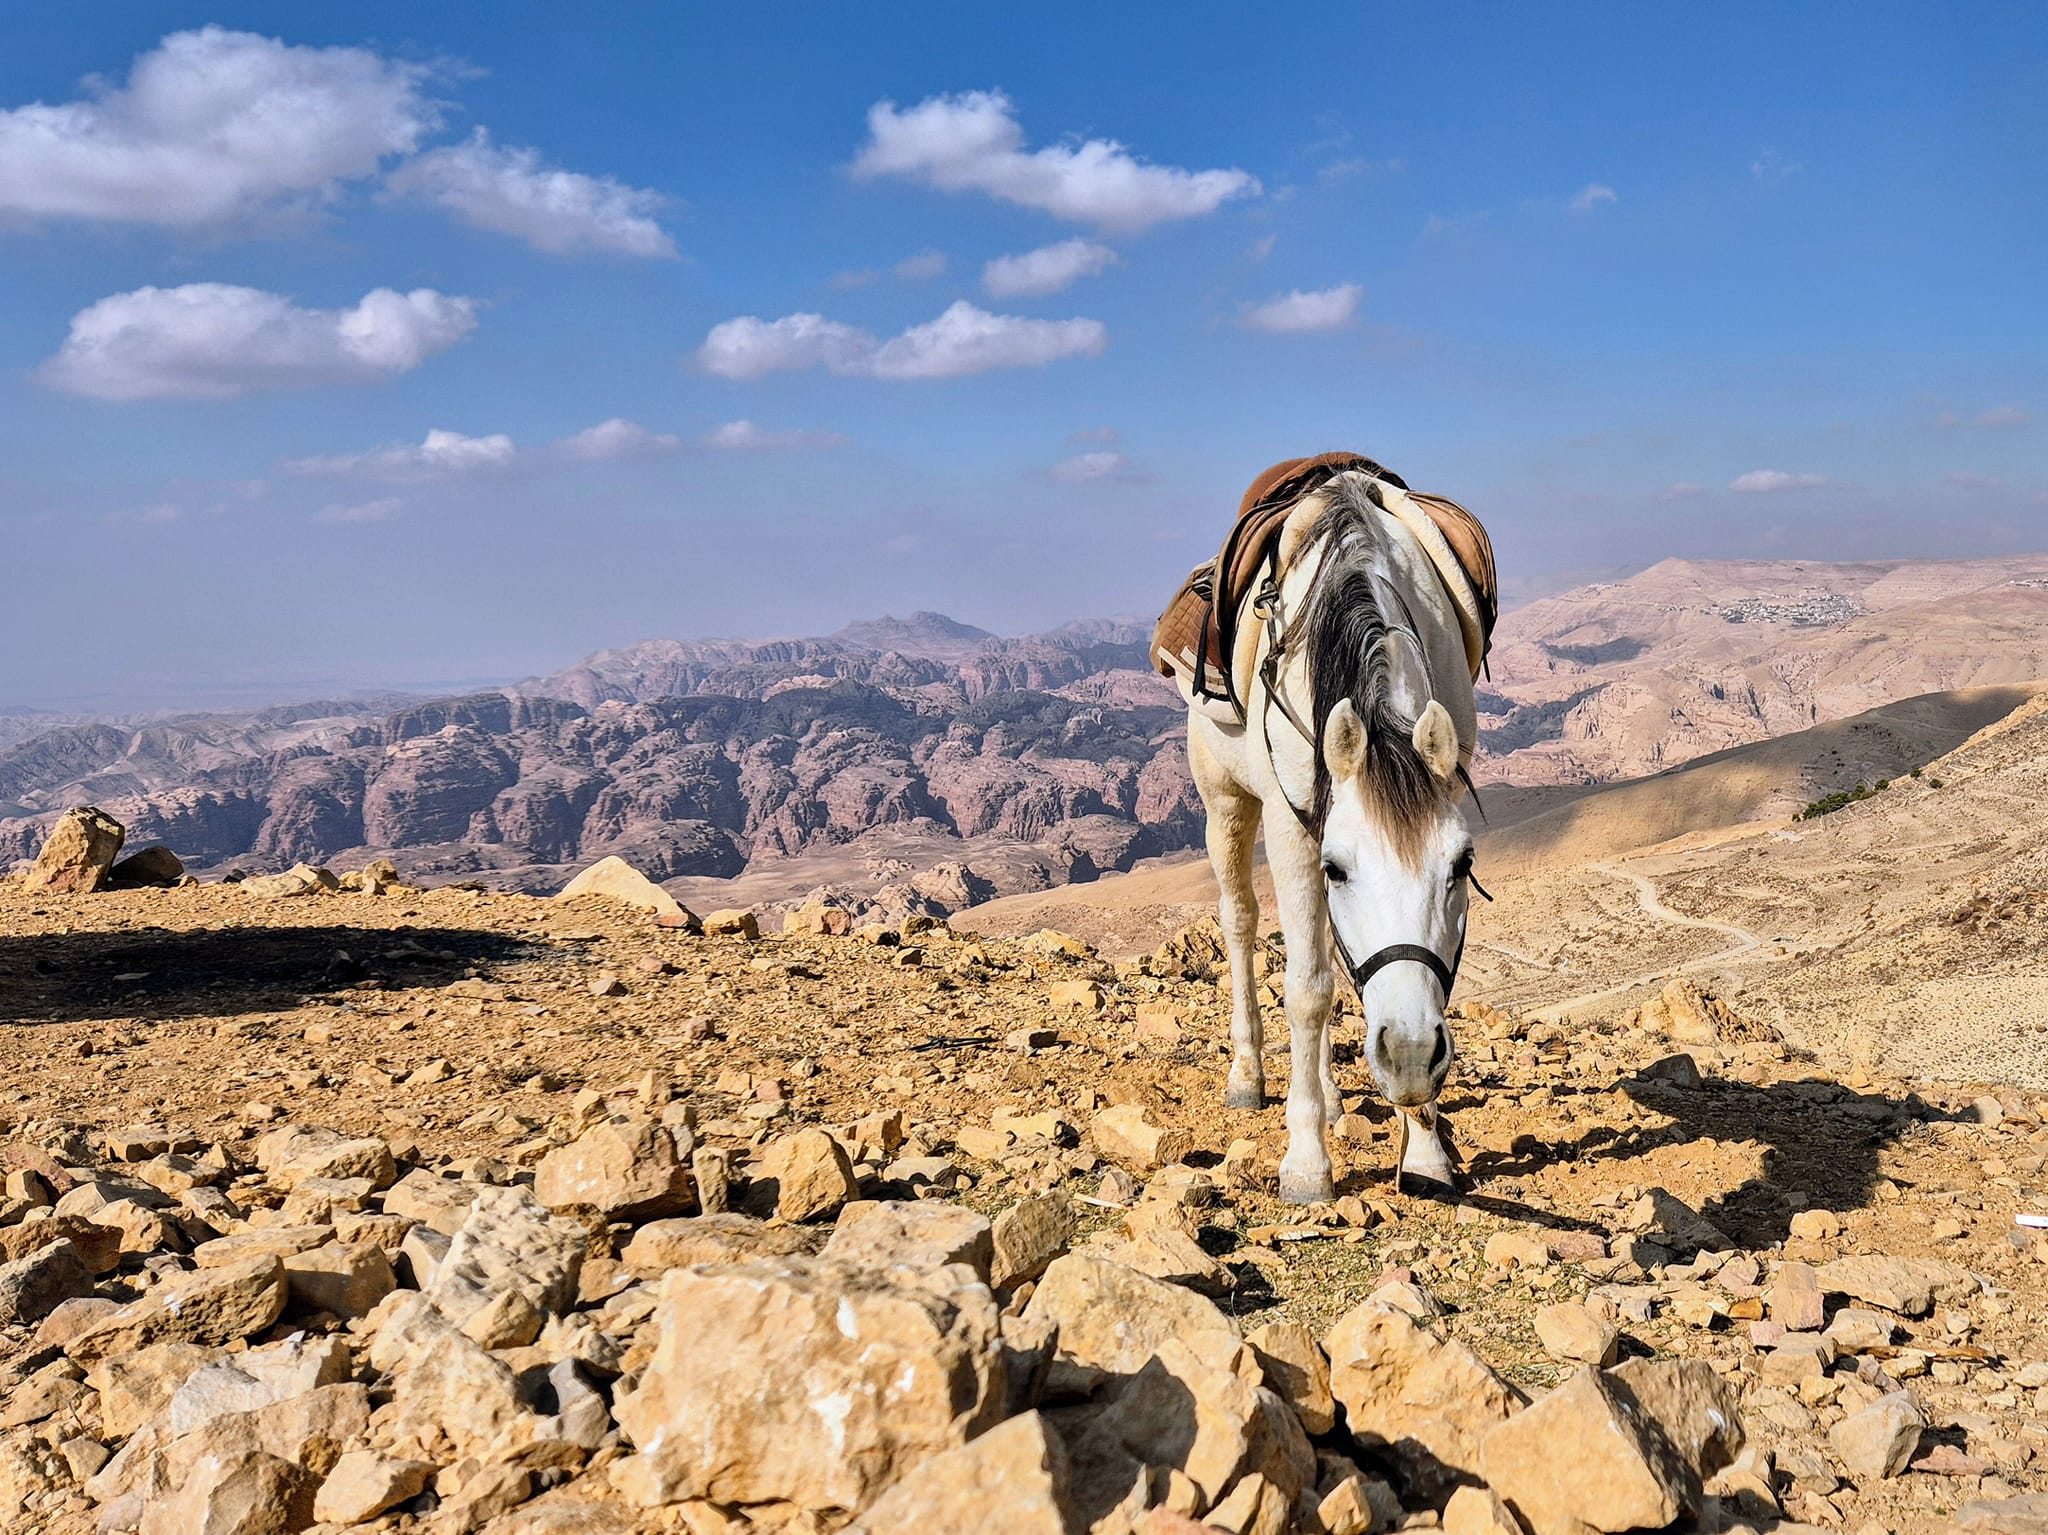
1422 1186
1296 1189
1252 1097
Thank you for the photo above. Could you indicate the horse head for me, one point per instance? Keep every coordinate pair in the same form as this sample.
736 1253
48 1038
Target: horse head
1397 861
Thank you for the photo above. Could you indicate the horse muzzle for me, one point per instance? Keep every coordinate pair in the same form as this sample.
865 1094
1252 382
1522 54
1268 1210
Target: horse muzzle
1410 1061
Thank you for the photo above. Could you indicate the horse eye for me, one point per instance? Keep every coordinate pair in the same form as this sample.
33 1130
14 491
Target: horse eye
1334 872
1462 869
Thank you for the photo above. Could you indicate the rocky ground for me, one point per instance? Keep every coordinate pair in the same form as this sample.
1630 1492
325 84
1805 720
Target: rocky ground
445 1210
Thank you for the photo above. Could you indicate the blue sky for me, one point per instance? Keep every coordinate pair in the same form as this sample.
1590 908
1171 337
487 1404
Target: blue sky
380 345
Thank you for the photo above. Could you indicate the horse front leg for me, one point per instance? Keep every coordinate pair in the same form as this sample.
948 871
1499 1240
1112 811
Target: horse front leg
1306 1176
1233 822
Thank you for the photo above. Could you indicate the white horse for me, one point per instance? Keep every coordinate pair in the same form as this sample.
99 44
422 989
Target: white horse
1358 724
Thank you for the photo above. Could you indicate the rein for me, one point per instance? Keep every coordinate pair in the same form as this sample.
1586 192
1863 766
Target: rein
1279 635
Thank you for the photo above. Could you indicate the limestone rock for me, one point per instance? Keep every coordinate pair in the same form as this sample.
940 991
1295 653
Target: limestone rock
812 1175
1127 1134
628 1168
454 1399
294 1154
805 1382
256 1493
1570 1332
34 1286
1010 1481
300 879
1877 1442
733 922
1297 1370
660 1246
1909 1286
914 1235
1479 1511
1696 1410
134 1388
157 866
98 1246
510 1267
1795 1298
1426 1401
1113 1318
77 854
1029 1235
344 1279
364 1483
618 880
2027 1515
1581 1459
215 1305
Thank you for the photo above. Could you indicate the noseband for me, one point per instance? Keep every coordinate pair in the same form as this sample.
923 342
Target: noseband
1393 953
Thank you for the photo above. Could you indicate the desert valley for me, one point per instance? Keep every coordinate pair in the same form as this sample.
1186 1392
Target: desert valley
414 1195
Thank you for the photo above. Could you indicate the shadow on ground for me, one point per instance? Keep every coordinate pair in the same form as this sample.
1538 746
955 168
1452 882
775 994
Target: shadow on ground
162 973
1819 1139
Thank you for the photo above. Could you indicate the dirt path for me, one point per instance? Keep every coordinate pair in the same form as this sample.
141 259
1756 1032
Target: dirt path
1646 897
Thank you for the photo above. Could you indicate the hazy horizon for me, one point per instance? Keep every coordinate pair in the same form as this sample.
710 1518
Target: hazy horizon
541 337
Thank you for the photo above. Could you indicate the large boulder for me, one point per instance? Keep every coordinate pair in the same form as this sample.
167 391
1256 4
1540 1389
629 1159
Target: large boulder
510 1267
1585 1458
1427 1402
618 880
1010 1481
211 1305
77 854
916 1236
805 1382
1114 1318
627 1168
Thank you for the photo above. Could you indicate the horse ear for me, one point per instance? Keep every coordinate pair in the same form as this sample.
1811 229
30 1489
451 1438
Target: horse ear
1343 741
1437 739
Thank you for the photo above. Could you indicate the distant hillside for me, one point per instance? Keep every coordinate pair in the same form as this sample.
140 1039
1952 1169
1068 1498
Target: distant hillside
1046 758
1623 678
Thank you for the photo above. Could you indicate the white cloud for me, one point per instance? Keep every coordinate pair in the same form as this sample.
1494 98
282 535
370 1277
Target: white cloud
381 510
2003 415
512 192
744 436
616 438
973 142
211 341
1683 490
750 347
963 340
1083 467
1772 167
1592 195
211 127
444 455
1322 309
1050 268
967 340
1762 482
1261 248
921 267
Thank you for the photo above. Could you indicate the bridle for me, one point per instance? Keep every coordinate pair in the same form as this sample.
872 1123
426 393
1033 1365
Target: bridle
1279 636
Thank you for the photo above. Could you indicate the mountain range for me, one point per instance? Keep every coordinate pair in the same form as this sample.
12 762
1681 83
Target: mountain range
925 762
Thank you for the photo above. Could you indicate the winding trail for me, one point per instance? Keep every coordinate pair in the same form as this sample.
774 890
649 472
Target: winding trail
1646 897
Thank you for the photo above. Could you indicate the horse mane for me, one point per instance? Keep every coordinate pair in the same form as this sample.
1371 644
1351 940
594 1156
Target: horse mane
1347 631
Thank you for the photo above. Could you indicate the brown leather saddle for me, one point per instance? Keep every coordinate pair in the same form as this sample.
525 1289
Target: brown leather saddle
1196 635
